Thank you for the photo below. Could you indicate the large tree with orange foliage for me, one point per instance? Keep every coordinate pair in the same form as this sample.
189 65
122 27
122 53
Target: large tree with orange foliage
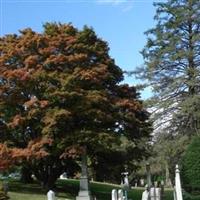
61 89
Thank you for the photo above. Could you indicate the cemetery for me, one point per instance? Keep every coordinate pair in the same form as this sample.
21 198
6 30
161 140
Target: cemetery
99 100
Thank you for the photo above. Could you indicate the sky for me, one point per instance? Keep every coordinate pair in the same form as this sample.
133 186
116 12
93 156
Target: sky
121 23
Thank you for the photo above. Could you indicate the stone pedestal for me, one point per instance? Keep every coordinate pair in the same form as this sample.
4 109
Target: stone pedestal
84 193
178 189
148 175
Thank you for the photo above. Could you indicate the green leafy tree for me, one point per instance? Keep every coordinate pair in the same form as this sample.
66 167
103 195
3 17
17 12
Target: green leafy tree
61 96
190 172
167 152
172 66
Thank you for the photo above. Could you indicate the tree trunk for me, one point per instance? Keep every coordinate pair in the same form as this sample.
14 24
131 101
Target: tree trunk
167 177
47 175
26 174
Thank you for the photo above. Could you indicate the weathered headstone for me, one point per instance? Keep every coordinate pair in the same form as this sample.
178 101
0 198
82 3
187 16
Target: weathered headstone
162 190
136 184
141 182
63 176
114 194
84 193
155 193
51 195
120 194
148 169
5 186
145 194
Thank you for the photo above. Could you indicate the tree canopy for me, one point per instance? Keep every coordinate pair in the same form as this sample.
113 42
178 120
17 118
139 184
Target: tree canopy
61 91
172 65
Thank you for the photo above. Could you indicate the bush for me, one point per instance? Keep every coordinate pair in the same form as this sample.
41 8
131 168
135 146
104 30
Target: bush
191 167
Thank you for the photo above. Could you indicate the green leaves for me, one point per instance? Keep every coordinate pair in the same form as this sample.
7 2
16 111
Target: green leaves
191 166
172 61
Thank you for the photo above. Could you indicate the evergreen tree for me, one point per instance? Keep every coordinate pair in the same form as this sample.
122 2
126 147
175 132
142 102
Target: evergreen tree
172 66
191 167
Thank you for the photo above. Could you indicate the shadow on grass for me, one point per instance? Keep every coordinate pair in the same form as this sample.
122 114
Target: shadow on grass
70 188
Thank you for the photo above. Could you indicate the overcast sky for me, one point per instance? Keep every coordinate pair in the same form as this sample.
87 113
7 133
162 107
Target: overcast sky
121 23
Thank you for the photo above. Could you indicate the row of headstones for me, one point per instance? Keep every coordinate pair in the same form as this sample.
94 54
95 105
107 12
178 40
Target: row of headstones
153 194
117 194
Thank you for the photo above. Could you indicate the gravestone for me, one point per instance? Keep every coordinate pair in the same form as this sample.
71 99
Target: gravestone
114 194
162 190
63 176
120 194
51 195
84 193
5 187
155 193
145 194
148 169
141 182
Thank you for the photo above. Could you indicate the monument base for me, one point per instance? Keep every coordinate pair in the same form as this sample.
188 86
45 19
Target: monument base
83 195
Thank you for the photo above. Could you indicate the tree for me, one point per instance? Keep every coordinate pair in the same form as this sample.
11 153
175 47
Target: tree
61 85
167 152
191 167
172 66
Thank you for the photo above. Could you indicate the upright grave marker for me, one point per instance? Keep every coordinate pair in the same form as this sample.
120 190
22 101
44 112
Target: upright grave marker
114 194
84 193
51 195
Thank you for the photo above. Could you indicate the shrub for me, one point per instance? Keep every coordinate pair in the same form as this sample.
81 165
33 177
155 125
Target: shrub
191 167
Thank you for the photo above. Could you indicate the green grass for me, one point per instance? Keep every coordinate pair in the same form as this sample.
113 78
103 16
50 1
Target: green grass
68 189
102 191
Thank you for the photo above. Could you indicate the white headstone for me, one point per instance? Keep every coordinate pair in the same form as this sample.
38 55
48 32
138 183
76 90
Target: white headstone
63 176
155 193
126 178
145 195
114 194
51 195
142 182
120 194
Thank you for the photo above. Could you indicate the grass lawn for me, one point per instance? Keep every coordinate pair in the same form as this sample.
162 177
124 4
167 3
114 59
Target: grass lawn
27 196
68 189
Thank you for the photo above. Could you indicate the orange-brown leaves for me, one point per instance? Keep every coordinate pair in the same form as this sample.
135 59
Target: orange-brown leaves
21 74
44 103
34 102
34 150
95 74
53 116
131 105
5 157
54 120
16 121
31 102
31 61
59 60
73 151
